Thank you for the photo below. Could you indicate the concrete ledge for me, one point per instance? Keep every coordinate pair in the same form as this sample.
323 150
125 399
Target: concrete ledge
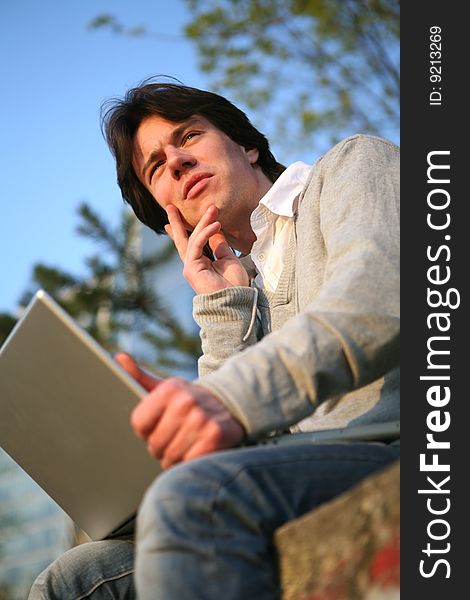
349 548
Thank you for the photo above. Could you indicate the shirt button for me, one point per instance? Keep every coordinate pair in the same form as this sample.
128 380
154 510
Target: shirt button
261 257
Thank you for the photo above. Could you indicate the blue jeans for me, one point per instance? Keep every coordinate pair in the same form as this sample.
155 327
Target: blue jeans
205 527
95 570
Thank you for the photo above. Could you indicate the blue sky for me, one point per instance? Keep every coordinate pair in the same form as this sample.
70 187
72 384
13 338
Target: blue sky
55 75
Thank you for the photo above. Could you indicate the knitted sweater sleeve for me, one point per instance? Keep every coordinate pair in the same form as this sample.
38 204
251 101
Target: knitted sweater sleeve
348 334
227 321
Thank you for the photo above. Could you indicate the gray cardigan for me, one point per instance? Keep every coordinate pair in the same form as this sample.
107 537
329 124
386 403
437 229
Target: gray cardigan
323 351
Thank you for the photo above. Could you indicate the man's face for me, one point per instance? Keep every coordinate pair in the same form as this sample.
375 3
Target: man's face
193 165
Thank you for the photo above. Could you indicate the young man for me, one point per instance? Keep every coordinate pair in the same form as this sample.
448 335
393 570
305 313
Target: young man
299 330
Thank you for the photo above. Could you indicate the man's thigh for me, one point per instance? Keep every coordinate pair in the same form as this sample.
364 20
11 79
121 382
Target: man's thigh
287 482
268 485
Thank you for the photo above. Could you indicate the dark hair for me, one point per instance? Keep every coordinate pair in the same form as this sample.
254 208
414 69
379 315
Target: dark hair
174 102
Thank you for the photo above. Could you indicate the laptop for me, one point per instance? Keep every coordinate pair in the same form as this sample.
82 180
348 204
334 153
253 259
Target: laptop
65 409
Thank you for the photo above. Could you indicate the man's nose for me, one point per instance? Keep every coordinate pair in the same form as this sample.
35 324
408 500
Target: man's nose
179 161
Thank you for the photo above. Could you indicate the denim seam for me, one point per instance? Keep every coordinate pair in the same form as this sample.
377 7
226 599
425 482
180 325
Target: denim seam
107 580
285 460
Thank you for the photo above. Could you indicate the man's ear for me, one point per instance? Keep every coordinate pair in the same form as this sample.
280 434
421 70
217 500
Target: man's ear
252 154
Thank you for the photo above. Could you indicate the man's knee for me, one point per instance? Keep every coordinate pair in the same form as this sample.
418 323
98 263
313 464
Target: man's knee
174 494
92 568
180 502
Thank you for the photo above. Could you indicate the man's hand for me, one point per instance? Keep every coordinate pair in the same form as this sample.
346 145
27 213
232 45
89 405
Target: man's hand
203 274
180 420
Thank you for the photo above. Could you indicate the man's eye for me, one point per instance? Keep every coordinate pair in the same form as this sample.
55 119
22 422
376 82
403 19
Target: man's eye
189 136
154 169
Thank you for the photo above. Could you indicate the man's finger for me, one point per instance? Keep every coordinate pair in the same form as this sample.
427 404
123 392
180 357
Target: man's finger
219 246
199 239
180 443
209 216
146 415
217 436
179 235
205 227
169 231
149 382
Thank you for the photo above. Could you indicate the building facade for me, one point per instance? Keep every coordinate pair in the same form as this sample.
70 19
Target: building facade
33 530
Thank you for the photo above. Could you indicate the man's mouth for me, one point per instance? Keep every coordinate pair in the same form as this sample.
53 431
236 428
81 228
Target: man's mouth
195 184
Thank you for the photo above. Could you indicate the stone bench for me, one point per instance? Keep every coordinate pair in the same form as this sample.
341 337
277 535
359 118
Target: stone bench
347 549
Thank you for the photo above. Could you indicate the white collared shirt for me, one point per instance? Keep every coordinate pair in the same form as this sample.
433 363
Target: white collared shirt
272 223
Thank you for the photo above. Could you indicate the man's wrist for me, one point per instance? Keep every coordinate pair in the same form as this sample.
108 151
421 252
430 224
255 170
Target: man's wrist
230 304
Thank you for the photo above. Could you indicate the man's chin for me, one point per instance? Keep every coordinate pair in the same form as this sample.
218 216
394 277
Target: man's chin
190 224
